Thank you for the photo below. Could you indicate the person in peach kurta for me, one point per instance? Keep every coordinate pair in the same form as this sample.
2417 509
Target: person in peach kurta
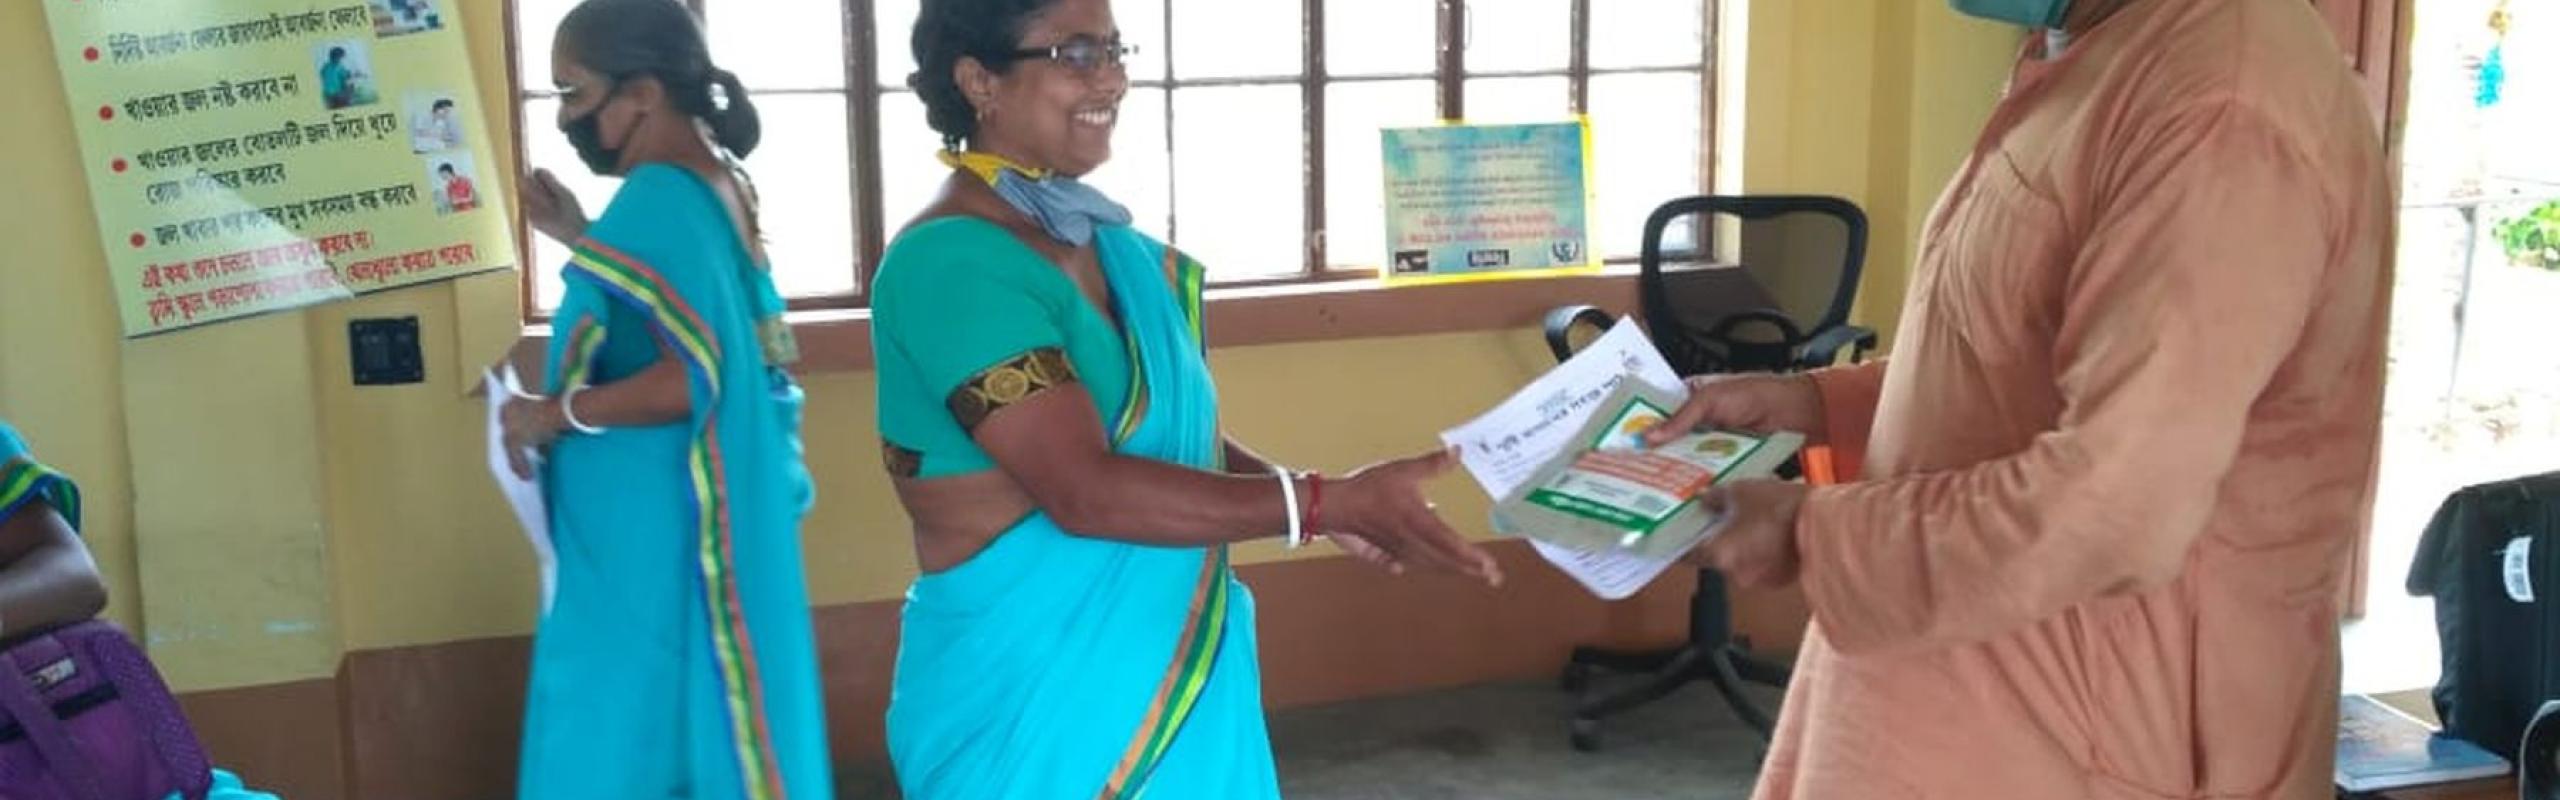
2113 468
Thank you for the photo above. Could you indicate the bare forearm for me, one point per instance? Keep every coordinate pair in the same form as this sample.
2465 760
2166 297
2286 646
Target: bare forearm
1052 447
1153 502
55 586
51 582
1244 461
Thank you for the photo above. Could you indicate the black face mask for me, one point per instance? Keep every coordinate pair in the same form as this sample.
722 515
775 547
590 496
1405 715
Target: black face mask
586 135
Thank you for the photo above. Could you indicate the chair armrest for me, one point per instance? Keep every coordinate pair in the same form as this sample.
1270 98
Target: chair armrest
1560 323
1823 349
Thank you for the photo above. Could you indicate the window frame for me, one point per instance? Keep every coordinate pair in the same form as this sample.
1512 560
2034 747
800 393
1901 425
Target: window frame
864 91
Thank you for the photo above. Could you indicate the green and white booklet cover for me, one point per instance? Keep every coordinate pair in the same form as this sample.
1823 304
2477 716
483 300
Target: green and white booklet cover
1607 491
1563 462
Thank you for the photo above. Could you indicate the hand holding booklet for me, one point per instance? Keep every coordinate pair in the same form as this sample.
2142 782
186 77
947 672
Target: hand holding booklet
1607 491
1564 461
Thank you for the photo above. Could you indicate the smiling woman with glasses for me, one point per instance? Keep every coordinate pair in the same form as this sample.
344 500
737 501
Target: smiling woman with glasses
1052 431
1082 53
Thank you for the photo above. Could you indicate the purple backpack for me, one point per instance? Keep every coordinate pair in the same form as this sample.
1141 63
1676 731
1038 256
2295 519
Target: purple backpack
84 717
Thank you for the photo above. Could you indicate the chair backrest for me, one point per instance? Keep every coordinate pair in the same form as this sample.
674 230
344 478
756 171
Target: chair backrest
1741 283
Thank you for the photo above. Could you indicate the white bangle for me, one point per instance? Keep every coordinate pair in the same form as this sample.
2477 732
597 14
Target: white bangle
566 414
1289 495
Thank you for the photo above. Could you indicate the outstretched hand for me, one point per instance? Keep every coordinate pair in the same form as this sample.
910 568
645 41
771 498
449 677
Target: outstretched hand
1380 516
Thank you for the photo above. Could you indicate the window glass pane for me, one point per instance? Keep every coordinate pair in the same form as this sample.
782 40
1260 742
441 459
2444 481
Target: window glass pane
1135 175
1505 100
1380 37
1228 39
800 171
536 20
1515 35
909 174
533 26
1141 23
1645 140
806 185
779 44
547 149
895 38
1354 181
1647 33
1239 200
544 270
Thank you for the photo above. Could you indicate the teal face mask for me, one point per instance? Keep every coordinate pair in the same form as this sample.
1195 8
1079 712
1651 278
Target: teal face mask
2030 13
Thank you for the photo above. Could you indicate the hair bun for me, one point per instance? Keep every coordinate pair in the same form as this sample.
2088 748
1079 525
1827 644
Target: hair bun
717 87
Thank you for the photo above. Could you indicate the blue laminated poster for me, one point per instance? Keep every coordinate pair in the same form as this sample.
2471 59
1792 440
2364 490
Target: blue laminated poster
2381 748
1470 202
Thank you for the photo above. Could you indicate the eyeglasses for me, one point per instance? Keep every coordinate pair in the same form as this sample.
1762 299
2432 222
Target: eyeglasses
1081 53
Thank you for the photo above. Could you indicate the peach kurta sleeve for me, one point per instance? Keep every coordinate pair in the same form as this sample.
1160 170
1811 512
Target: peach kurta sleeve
2192 285
1849 412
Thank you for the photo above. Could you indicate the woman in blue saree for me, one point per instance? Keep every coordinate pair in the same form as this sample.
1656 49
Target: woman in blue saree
1052 430
677 658
47 579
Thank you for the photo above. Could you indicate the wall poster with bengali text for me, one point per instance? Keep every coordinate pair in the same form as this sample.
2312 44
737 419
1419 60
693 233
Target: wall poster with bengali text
1476 202
249 156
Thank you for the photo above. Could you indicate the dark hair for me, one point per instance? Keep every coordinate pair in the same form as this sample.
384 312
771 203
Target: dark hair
446 168
441 104
948 30
336 53
659 38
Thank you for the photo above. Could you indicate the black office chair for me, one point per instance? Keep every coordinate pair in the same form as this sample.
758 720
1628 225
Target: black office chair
1774 298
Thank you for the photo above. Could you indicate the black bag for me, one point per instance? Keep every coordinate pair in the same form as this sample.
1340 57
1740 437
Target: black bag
2491 559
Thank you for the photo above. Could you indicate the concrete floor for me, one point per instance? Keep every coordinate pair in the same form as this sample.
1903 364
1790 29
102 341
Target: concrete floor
1506 742
1502 742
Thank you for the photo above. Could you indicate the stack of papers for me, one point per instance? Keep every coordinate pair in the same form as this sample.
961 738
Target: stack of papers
523 494
1507 447
1608 492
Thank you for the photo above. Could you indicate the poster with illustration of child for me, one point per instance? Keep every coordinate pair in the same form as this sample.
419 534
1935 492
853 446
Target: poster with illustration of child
456 187
346 74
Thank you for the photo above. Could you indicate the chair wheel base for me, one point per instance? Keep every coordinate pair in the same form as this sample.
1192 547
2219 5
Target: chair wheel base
1585 734
1577 677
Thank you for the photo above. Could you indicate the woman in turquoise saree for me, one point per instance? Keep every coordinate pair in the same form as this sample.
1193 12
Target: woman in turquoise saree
1052 430
46 577
676 659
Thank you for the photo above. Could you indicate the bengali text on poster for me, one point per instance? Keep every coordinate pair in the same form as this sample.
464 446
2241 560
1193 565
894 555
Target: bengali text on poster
248 156
1473 201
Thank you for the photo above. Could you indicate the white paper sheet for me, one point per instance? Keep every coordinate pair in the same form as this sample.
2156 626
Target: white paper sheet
1614 575
1504 447
525 496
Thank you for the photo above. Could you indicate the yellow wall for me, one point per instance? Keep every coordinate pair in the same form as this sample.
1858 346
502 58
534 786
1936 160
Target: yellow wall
1874 101
258 516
